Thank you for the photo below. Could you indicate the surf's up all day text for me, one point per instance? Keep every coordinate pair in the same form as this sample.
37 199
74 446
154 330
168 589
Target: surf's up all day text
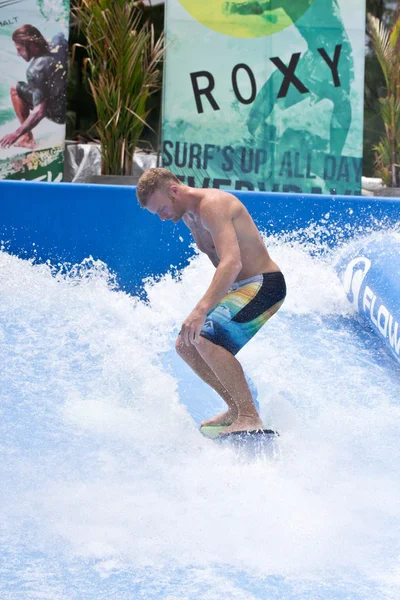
253 161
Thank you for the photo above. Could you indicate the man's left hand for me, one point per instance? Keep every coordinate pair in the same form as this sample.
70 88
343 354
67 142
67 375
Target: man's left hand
191 327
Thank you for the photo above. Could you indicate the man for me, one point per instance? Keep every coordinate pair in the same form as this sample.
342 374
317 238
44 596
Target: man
44 94
246 290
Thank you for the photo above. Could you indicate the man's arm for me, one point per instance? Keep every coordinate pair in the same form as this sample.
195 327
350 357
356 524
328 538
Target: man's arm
220 225
217 219
35 116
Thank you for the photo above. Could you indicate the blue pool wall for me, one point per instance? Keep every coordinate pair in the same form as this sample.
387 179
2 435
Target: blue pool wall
64 222
371 280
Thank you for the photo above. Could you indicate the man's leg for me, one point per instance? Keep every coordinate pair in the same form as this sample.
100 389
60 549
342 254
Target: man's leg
192 357
22 111
229 372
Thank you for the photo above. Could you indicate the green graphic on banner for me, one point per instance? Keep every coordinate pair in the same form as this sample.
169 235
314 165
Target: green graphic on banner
246 19
265 95
33 51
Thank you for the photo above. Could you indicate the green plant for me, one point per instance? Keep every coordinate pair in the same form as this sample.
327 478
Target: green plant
386 45
123 59
383 158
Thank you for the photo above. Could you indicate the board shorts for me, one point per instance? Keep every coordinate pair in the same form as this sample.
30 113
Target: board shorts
244 310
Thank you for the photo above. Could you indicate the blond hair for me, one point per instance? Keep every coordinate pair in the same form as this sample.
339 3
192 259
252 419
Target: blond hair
152 180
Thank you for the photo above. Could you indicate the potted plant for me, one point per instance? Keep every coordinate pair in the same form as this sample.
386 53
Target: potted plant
123 70
386 45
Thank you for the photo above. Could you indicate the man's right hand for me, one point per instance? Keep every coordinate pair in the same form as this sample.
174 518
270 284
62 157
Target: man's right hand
191 327
9 139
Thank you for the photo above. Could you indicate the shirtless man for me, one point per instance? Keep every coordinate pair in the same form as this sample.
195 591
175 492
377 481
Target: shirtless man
44 93
246 290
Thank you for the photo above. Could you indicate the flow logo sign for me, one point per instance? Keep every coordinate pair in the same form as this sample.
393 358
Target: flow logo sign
354 276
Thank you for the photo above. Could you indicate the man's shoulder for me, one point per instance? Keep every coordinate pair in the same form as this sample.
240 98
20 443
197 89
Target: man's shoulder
217 204
40 64
213 195
218 200
58 40
59 47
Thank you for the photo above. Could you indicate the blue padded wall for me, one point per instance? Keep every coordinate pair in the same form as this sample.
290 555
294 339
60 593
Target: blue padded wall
69 222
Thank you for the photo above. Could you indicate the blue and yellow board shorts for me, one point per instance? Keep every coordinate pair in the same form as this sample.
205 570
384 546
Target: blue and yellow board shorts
244 310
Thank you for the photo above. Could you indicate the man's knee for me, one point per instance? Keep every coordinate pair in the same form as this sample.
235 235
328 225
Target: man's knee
178 344
182 349
190 351
15 96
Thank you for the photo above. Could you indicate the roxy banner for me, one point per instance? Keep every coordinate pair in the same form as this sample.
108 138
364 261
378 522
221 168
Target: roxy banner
265 95
33 57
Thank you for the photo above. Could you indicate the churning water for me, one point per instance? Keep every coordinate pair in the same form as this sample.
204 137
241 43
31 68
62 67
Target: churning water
108 491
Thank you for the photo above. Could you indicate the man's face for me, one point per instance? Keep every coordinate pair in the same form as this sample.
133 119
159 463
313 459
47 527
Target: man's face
163 205
23 51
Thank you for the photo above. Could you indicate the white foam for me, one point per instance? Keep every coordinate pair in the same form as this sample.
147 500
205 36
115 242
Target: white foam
107 476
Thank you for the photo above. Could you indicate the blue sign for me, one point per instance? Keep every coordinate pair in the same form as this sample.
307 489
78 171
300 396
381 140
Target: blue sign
372 283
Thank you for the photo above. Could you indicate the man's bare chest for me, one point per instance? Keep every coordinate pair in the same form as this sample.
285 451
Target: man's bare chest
202 237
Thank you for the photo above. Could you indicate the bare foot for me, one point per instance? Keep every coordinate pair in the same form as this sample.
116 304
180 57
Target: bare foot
244 424
226 418
26 141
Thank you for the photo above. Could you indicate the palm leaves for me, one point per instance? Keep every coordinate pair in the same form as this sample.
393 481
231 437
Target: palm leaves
124 58
386 45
